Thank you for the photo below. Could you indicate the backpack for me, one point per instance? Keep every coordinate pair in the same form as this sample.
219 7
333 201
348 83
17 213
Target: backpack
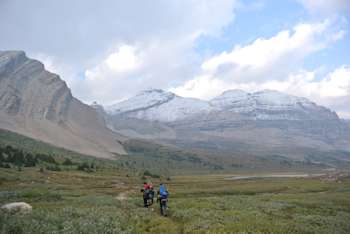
146 193
162 191
151 194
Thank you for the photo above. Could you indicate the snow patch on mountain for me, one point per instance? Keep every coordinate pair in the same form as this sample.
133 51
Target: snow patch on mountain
143 100
158 105
243 102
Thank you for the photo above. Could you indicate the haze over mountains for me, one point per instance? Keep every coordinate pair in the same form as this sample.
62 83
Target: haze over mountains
38 104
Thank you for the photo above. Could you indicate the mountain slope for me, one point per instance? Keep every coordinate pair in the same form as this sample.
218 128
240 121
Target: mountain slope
38 104
271 105
158 105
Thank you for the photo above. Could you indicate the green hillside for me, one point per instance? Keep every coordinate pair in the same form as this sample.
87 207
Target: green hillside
164 161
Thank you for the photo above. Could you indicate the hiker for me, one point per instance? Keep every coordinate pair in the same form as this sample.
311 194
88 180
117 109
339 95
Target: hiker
145 190
151 195
163 199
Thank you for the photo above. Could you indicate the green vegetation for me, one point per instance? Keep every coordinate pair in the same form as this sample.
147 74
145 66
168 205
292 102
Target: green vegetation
15 158
72 193
144 155
34 146
166 160
79 202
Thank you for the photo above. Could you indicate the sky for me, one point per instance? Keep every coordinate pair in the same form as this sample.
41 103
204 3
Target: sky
110 50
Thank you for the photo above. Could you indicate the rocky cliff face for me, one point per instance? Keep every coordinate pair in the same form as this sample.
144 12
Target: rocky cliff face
27 89
37 103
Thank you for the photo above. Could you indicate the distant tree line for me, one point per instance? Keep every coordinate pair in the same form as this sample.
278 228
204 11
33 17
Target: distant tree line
11 157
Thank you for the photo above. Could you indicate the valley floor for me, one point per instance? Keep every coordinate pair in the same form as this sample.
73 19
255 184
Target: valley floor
105 202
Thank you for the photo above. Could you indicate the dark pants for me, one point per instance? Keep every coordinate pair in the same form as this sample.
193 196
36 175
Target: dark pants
145 201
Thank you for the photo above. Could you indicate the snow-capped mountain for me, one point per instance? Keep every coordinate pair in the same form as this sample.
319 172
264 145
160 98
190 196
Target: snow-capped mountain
271 105
158 105
260 123
243 102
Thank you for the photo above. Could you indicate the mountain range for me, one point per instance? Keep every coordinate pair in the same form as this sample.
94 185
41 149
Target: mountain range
236 124
158 105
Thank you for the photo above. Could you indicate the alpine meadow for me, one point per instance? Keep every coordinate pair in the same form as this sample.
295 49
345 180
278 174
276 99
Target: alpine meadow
227 116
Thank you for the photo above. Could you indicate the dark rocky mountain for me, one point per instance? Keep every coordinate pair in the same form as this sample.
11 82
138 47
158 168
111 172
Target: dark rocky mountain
38 104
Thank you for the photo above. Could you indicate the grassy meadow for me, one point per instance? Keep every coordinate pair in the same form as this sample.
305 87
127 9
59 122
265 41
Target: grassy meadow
108 201
73 193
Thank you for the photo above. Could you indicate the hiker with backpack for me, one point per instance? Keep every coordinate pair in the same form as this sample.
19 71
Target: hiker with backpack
146 191
163 199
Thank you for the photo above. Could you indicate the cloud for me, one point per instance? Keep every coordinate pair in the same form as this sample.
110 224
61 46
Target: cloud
124 60
331 90
294 44
276 63
326 6
265 59
263 52
145 65
115 43
77 30
337 84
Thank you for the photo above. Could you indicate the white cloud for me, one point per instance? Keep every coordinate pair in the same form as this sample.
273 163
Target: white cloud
326 6
264 60
124 60
303 40
203 87
337 84
334 85
163 59
332 90
151 43
275 63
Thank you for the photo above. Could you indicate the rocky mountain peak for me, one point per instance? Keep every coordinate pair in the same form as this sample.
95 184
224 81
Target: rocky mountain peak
143 100
270 105
159 105
28 89
234 93
37 103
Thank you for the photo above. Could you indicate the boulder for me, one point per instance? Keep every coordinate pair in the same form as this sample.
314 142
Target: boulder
15 207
